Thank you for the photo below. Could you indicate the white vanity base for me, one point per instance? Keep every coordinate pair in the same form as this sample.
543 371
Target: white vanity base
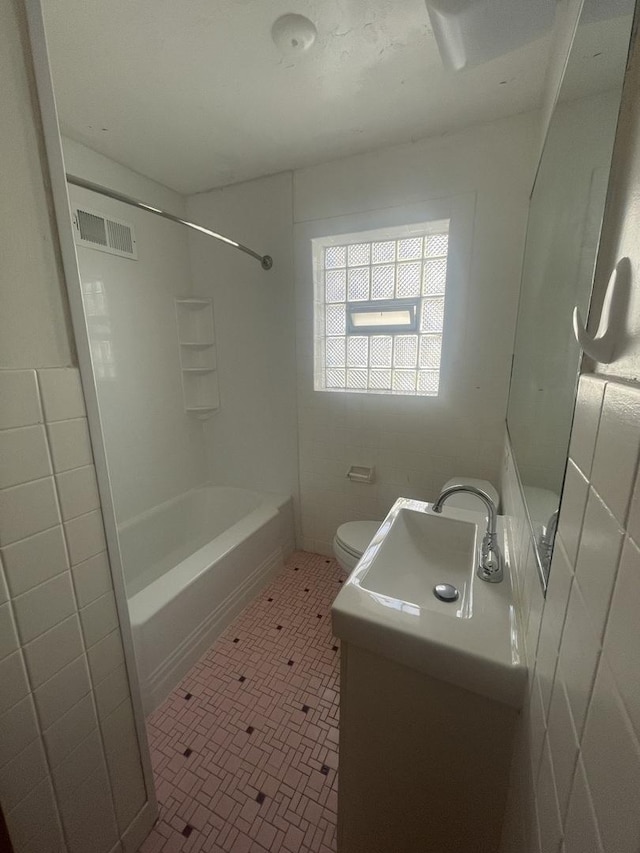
424 765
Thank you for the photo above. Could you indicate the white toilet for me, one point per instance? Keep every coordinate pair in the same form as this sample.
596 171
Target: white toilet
353 537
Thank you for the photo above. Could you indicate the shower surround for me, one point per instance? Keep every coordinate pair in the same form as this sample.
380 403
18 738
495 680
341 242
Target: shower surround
203 508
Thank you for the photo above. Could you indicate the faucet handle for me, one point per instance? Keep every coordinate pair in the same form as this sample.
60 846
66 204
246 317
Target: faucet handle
488 544
491 564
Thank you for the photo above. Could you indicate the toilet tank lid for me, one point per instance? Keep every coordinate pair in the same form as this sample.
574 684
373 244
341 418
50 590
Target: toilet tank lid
465 501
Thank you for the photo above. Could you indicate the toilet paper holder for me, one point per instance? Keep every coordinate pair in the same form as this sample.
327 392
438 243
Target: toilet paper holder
361 474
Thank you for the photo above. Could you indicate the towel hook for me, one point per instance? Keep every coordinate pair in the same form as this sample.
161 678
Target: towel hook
601 346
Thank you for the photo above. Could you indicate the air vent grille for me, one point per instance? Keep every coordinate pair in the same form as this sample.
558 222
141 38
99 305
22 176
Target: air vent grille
96 231
92 228
120 237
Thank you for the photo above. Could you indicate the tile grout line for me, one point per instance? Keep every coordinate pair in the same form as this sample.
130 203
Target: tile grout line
99 727
310 636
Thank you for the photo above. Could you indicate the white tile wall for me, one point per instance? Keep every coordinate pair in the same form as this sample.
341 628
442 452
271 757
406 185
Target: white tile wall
34 560
78 492
85 537
44 606
61 394
119 737
16 777
50 652
19 399
27 509
91 578
70 444
99 618
18 728
60 693
416 444
24 455
580 791
70 772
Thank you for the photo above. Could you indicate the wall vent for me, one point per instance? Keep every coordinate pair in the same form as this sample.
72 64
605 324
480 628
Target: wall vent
96 231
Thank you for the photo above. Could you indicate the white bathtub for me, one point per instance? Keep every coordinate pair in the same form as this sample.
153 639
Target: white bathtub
190 565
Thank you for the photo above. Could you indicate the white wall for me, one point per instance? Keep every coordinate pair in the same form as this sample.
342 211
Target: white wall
71 777
576 769
484 174
620 229
252 440
417 443
30 267
86 163
155 449
564 27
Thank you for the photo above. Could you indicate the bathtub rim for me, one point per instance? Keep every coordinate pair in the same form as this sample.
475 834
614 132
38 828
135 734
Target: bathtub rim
177 634
157 595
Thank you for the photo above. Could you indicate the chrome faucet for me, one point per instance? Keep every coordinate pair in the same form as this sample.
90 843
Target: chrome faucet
546 541
490 565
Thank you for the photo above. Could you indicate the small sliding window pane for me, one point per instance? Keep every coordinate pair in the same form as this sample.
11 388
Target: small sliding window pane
372 317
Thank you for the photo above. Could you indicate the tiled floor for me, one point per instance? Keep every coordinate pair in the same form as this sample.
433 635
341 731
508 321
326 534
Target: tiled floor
245 749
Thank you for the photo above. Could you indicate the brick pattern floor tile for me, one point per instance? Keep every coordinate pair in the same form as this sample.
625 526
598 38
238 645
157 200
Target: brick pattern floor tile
245 749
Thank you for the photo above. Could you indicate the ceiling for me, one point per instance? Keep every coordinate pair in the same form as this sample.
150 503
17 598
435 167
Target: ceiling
194 93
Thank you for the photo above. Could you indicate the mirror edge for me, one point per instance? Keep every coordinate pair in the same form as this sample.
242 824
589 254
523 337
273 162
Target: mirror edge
543 571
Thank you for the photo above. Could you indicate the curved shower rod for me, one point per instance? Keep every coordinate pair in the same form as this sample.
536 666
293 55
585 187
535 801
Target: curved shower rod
266 261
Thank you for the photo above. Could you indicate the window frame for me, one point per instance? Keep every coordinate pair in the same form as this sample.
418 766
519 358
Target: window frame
435 225
329 216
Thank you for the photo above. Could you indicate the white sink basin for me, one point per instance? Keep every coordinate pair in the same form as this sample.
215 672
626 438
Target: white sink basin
388 604
420 550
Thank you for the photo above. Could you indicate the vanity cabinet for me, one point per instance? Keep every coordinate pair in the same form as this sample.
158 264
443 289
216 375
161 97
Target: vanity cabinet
424 764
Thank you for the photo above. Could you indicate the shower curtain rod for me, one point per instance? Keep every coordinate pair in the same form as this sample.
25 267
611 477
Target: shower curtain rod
266 261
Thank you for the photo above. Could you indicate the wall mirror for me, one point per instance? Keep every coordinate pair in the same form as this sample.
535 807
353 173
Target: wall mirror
565 216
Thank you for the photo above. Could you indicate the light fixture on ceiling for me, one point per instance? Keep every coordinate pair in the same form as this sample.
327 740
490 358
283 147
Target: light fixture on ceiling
471 32
293 34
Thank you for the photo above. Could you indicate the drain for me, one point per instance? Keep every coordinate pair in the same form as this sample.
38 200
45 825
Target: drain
446 592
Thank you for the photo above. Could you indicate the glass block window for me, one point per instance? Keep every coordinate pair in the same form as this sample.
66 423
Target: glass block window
379 275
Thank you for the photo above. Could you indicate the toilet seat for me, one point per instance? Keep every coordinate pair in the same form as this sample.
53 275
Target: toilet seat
354 536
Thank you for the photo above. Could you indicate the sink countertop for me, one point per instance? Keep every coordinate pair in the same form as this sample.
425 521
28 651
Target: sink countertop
473 643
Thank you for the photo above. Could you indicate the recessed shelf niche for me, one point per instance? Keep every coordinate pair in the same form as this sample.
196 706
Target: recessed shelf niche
196 338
